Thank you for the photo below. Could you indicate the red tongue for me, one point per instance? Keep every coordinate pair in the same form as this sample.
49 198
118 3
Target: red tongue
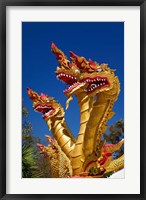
67 80
39 109
43 110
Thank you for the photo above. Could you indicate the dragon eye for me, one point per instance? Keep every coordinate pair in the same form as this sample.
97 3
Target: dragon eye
99 70
77 70
47 100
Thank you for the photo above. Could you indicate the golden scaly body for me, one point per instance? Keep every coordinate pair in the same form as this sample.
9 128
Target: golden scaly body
58 129
101 113
60 165
77 155
116 164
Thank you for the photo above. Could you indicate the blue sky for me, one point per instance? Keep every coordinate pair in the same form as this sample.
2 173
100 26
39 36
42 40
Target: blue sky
101 41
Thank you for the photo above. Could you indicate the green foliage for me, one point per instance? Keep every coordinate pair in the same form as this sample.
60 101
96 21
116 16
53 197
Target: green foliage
28 160
33 163
24 111
107 174
114 134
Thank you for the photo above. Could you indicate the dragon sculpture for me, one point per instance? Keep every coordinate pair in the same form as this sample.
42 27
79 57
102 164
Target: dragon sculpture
53 114
60 165
97 88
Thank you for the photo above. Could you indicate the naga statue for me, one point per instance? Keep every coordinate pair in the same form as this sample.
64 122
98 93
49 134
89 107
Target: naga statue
97 88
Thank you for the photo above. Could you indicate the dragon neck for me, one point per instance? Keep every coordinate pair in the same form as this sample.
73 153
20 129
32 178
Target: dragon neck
77 155
58 126
60 166
101 113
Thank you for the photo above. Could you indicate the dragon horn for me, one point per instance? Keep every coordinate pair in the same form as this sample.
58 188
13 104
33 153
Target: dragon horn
92 64
61 57
80 61
32 94
73 55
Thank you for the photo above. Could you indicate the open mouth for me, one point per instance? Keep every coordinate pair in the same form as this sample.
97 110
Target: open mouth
95 83
45 110
69 79
71 87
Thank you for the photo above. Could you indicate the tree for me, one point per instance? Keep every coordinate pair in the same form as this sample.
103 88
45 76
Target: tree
33 164
114 134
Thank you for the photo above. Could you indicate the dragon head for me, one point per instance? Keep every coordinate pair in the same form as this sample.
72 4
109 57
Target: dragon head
85 75
45 105
97 78
67 72
101 80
